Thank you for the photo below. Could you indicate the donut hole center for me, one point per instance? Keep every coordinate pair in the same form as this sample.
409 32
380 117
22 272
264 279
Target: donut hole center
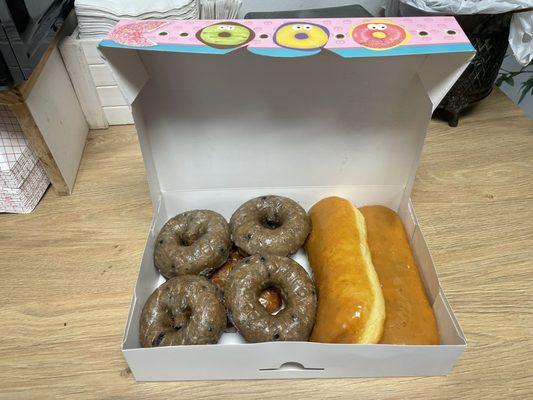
271 221
181 319
271 299
270 224
189 237
185 241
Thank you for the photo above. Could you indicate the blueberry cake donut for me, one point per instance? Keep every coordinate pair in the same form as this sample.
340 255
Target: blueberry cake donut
192 243
269 225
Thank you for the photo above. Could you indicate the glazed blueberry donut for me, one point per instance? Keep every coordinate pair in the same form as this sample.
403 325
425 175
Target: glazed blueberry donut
249 278
193 242
269 298
270 225
184 310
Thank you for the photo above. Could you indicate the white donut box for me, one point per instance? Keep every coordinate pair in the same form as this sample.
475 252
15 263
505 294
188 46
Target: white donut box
218 129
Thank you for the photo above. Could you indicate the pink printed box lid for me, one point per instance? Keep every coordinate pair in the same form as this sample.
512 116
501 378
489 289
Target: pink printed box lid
346 37
17 159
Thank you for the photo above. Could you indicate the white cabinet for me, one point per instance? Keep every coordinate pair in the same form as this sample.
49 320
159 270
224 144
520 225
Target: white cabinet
101 99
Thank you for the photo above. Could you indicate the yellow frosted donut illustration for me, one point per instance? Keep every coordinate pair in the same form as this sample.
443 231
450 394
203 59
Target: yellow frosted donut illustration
301 36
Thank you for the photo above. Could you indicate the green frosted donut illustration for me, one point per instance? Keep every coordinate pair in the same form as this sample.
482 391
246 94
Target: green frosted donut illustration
225 35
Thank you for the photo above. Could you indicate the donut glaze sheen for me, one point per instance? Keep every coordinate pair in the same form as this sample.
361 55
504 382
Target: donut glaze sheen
269 225
301 36
184 310
193 242
249 278
410 318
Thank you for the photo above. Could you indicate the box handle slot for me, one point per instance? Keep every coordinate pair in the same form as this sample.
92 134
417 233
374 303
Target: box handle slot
291 366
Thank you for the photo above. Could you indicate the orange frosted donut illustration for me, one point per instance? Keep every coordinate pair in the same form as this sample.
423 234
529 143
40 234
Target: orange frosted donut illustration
380 35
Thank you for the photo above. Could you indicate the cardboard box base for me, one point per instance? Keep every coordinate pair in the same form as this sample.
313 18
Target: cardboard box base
348 119
231 358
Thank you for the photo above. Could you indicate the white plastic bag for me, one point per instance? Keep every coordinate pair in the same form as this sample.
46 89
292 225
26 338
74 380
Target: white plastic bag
521 37
521 32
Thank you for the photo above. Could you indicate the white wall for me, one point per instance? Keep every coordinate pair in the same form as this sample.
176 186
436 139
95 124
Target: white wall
510 64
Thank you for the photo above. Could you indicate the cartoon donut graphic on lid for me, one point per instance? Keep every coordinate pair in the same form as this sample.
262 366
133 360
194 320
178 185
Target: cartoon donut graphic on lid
132 34
301 36
225 35
380 34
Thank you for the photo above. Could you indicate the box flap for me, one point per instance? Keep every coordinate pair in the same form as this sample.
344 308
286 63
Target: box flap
439 72
346 37
281 103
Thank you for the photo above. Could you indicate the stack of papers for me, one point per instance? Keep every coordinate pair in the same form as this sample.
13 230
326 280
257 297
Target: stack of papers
219 9
97 17
23 180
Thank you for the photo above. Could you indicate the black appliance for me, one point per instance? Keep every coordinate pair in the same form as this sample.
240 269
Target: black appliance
26 29
351 11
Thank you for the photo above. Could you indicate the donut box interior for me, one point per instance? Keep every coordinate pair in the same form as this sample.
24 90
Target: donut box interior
219 126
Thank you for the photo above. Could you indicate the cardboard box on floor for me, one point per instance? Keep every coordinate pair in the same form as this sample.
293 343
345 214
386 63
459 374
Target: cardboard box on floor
219 125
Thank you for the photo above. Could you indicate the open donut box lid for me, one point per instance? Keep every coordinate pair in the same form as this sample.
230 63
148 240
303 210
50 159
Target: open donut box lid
219 125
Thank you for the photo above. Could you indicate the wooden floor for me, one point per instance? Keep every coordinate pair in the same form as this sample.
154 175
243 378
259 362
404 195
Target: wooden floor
67 272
